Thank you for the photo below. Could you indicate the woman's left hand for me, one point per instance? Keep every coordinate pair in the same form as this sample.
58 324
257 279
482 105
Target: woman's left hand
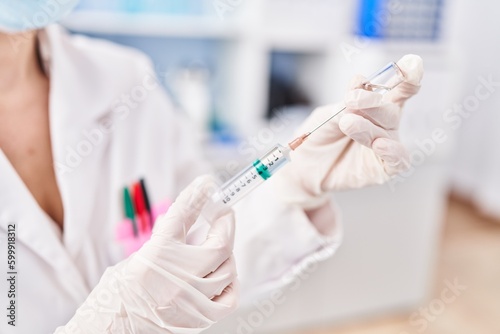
358 148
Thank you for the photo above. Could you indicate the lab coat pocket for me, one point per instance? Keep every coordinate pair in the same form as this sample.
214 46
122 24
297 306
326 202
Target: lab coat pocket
132 235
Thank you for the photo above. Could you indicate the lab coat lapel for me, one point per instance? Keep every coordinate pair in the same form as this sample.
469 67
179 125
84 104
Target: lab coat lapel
76 103
84 93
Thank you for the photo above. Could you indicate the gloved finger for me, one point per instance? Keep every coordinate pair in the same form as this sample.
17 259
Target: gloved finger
361 130
413 70
214 283
222 305
220 241
386 116
357 82
199 260
362 99
394 155
185 210
229 298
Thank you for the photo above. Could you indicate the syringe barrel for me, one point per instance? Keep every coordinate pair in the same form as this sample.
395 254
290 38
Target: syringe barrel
246 181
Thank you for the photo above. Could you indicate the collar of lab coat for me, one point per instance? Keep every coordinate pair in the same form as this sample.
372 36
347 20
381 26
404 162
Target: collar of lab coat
81 91
77 100
87 78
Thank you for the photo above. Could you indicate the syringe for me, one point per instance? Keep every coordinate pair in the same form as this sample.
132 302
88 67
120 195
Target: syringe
246 181
262 169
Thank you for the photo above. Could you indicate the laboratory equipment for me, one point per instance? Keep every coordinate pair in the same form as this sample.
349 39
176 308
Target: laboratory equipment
262 169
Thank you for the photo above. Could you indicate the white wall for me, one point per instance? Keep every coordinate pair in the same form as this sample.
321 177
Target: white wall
476 160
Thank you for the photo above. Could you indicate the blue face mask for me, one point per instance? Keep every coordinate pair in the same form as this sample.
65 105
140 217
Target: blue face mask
23 15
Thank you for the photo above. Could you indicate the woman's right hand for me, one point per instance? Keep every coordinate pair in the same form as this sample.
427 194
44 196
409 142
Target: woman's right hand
168 286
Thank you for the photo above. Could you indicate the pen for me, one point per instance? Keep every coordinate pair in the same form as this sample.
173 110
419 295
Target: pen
129 210
140 207
146 201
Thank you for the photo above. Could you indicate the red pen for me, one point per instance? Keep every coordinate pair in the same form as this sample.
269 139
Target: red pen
140 207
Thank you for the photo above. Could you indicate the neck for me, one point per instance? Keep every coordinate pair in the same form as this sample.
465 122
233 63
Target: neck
18 59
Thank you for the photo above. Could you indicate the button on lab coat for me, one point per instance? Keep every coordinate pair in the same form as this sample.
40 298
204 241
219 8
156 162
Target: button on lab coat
111 124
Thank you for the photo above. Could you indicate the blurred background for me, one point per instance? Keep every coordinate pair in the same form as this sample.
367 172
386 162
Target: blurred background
421 254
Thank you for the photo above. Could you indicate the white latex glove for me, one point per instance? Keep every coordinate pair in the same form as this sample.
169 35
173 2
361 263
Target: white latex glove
168 286
360 147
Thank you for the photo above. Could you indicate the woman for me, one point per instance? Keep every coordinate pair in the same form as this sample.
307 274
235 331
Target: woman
82 118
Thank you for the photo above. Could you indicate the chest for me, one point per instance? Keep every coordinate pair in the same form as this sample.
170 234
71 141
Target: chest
26 142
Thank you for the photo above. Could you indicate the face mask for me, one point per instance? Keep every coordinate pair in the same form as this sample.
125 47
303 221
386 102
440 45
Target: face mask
23 15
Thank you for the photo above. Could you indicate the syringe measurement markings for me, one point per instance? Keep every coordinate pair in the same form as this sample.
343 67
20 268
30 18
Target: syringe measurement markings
231 191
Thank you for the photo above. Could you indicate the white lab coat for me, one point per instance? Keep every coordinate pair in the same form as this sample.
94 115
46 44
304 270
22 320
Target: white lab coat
56 272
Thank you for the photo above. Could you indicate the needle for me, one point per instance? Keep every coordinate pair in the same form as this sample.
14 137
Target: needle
300 139
328 120
382 81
